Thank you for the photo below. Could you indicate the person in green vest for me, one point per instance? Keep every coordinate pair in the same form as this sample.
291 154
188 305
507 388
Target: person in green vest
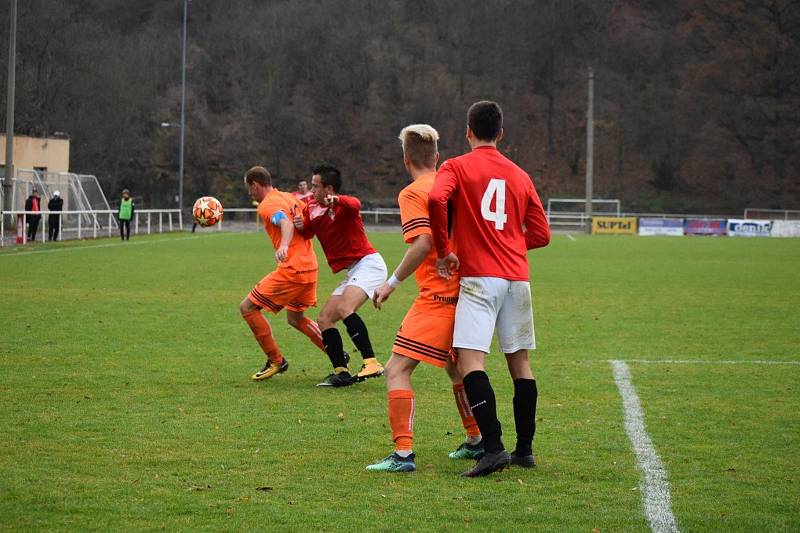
125 215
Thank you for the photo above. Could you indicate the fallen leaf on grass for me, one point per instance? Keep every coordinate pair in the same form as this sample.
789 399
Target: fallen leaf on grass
199 487
264 489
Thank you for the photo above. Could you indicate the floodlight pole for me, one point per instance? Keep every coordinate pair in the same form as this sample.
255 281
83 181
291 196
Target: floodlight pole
183 106
8 182
590 152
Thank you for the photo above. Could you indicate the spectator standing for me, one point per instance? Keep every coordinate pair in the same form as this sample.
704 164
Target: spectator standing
55 206
33 203
126 210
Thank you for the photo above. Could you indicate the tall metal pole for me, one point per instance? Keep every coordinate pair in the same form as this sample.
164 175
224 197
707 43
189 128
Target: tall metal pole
590 151
183 106
8 183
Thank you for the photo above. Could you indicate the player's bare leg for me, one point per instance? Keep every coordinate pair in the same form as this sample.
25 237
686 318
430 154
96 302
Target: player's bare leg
482 402
306 326
262 331
343 307
401 415
525 397
472 447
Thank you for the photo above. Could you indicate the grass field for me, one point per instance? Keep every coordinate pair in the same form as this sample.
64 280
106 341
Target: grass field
125 399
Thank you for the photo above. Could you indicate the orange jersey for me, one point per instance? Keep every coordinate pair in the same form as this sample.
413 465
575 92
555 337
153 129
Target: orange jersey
414 217
301 257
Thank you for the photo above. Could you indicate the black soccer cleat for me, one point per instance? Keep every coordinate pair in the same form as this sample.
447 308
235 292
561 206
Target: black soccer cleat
342 379
523 460
490 462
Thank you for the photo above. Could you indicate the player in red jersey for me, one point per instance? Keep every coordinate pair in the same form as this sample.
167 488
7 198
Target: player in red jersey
302 193
336 221
292 285
498 217
426 333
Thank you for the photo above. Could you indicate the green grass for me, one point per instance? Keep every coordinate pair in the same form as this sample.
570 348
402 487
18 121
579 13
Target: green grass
125 398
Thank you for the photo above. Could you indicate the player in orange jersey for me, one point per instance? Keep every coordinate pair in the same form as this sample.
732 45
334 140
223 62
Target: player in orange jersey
426 333
292 285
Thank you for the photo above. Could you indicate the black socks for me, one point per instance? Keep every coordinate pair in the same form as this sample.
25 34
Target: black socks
481 401
358 332
333 346
525 396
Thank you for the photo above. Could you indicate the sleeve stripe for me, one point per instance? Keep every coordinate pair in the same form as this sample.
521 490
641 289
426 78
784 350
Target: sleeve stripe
416 220
417 226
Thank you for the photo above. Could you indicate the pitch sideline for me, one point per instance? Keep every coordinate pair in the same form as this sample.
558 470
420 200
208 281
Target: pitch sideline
94 246
653 485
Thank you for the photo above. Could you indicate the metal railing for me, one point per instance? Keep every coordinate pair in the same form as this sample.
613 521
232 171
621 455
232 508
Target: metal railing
148 219
784 214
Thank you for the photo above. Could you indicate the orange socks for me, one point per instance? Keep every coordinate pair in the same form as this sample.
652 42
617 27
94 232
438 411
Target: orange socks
467 418
310 329
263 334
401 418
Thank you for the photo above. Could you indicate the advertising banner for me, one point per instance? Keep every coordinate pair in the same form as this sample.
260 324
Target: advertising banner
705 226
614 225
785 228
738 227
661 226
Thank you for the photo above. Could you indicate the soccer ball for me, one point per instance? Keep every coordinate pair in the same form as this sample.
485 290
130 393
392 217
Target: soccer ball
207 211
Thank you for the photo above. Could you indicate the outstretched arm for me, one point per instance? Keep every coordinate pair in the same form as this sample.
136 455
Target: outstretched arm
302 223
413 258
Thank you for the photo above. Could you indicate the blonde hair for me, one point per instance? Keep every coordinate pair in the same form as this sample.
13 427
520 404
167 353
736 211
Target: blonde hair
420 144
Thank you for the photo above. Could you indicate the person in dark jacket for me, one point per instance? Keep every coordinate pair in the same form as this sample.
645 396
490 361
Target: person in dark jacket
55 205
33 203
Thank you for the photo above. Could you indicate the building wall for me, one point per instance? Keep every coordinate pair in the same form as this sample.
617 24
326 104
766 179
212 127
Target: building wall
37 153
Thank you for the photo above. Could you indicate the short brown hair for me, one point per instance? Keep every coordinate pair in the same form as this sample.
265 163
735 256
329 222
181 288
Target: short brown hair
420 145
258 174
485 119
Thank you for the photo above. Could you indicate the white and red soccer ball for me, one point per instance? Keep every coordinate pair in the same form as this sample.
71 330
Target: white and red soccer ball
207 211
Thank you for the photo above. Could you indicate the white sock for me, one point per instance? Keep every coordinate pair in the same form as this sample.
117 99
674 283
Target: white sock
403 453
473 440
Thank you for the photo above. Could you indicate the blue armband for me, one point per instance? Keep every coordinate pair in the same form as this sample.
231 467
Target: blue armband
277 217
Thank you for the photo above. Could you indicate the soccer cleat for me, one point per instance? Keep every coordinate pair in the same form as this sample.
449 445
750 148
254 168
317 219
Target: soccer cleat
341 379
490 462
468 451
523 460
270 369
370 369
394 463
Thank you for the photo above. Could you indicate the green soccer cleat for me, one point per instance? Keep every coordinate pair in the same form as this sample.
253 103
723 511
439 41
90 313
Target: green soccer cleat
468 451
394 463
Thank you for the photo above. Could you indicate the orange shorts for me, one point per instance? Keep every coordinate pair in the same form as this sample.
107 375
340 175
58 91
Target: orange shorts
278 290
426 336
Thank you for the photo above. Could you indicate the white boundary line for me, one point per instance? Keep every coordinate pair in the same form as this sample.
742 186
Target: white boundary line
93 246
653 485
570 237
704 362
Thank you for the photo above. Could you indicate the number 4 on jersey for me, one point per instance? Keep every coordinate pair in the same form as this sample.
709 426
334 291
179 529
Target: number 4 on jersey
496 189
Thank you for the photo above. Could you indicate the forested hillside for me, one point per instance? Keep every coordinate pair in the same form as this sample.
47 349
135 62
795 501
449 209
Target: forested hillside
697 101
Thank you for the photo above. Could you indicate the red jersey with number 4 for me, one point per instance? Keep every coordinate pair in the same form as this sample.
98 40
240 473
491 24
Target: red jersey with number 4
340 231
497 214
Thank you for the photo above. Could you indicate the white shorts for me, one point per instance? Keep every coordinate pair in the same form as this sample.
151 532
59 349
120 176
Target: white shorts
368 273
487 304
